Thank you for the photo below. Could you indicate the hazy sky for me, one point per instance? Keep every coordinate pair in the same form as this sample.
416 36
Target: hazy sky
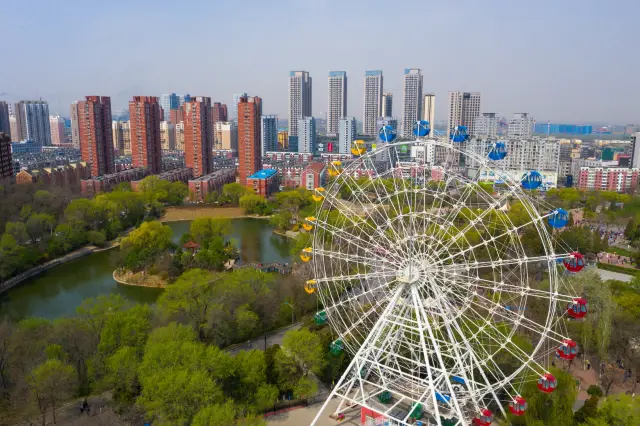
564 60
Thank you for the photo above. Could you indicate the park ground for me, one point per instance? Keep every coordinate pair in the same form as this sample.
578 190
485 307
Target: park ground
191 212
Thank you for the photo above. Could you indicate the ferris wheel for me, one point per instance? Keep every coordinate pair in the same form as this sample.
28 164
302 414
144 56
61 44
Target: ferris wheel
425 279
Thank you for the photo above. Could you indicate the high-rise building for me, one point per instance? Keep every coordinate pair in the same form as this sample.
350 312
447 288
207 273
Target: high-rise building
118 137
126 137
219 113
14 128
486 125
168 135
56 124
169 101
521 125
198 135
412 102
5 125
33 121
144 124
307 134
299 99
387 104
180 136
96 143
226 135
183 98
347 134
386 121
337 108
429 109
283 140
176 115
269 134
249 137
75 128
464 108
372 101
236 100
6 161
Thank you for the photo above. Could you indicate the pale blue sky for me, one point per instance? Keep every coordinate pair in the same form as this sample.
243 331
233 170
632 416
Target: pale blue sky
565 60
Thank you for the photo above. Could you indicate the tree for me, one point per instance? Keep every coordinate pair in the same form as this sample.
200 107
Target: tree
129 328
96 312
232 193
97 238
253 204
74 337
620 410
216 415
13 257
18 231
306 350
191 297
204 230
66 237
122 374
554 409
50 384
39 226
142 247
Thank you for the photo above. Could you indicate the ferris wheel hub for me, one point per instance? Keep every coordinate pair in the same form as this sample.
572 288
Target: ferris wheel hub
410 272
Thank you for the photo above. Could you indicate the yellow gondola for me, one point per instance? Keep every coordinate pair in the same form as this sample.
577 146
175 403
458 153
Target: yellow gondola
310 286
319 194
335 169
358 148
308 225
305 256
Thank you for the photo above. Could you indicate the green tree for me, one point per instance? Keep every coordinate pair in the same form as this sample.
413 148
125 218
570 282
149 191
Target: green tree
40 226
305 348
18 231
50 384
216 415
552 409
122 375
142 247
253 204
232 193
204 230
66 237
620 410
128 328
13 257
97 238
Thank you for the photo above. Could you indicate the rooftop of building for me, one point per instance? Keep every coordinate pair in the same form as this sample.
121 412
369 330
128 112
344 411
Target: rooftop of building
317 167
172 172
214 174
120 173
263 174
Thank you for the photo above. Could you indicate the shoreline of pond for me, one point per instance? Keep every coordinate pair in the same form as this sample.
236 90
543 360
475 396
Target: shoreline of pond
190 213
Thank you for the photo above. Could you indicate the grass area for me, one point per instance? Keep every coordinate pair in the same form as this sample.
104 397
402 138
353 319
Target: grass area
617 268
621 251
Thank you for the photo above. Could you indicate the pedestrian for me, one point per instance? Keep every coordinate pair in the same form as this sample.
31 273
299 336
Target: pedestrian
588 365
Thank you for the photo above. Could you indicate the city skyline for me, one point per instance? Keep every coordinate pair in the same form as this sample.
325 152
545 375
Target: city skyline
529 70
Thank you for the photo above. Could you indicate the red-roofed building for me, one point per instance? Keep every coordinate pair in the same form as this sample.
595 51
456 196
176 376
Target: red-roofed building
313 176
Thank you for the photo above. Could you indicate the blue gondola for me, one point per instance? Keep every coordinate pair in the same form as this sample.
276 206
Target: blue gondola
421 128
559 218
387 133
444 399
459 134
531 180
498 151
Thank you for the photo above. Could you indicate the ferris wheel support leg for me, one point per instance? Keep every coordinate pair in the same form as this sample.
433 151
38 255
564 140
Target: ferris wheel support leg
375 332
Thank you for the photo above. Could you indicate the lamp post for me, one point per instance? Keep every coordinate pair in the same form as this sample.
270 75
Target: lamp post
291 306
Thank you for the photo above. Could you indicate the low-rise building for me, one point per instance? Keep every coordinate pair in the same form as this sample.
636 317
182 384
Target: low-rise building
105 183
26 147
264 182
314 176
202 186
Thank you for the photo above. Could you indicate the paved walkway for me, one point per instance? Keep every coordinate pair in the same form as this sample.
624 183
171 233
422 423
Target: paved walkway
610 275
305 415
273 338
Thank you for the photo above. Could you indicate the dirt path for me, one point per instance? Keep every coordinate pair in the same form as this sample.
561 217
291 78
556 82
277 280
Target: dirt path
174 214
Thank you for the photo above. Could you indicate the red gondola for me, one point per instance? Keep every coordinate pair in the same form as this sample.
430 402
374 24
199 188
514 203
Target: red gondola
574 262
518 406
547 383
484 418
568 349
578 308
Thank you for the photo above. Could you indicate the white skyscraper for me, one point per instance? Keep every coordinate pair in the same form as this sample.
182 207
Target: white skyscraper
33 121
236 99
486 125
429 109
412 102
306 134
299 99
337 107
372 101
387 104
269 140
521 125
464 107
75 129
347 134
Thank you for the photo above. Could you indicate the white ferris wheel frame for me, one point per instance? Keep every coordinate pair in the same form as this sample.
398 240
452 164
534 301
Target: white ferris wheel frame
377 365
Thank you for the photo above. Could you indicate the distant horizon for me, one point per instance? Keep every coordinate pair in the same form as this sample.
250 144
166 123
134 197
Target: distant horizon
562 60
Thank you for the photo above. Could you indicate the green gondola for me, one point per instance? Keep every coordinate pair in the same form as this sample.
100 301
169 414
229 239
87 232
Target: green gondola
336 347
385 397
416 411
320 318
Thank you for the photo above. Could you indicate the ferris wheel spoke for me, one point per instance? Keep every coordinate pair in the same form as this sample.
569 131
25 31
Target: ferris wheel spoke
355 258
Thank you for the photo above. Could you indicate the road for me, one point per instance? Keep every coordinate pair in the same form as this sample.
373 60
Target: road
610 275
274 338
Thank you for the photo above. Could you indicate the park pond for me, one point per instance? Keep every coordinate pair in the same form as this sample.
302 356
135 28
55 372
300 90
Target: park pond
59 291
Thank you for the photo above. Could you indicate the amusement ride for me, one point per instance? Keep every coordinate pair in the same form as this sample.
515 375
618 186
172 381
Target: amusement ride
426 280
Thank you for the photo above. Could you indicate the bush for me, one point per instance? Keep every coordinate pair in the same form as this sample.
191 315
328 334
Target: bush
616 268
594 390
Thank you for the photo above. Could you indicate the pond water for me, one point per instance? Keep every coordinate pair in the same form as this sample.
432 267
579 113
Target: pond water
60 290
